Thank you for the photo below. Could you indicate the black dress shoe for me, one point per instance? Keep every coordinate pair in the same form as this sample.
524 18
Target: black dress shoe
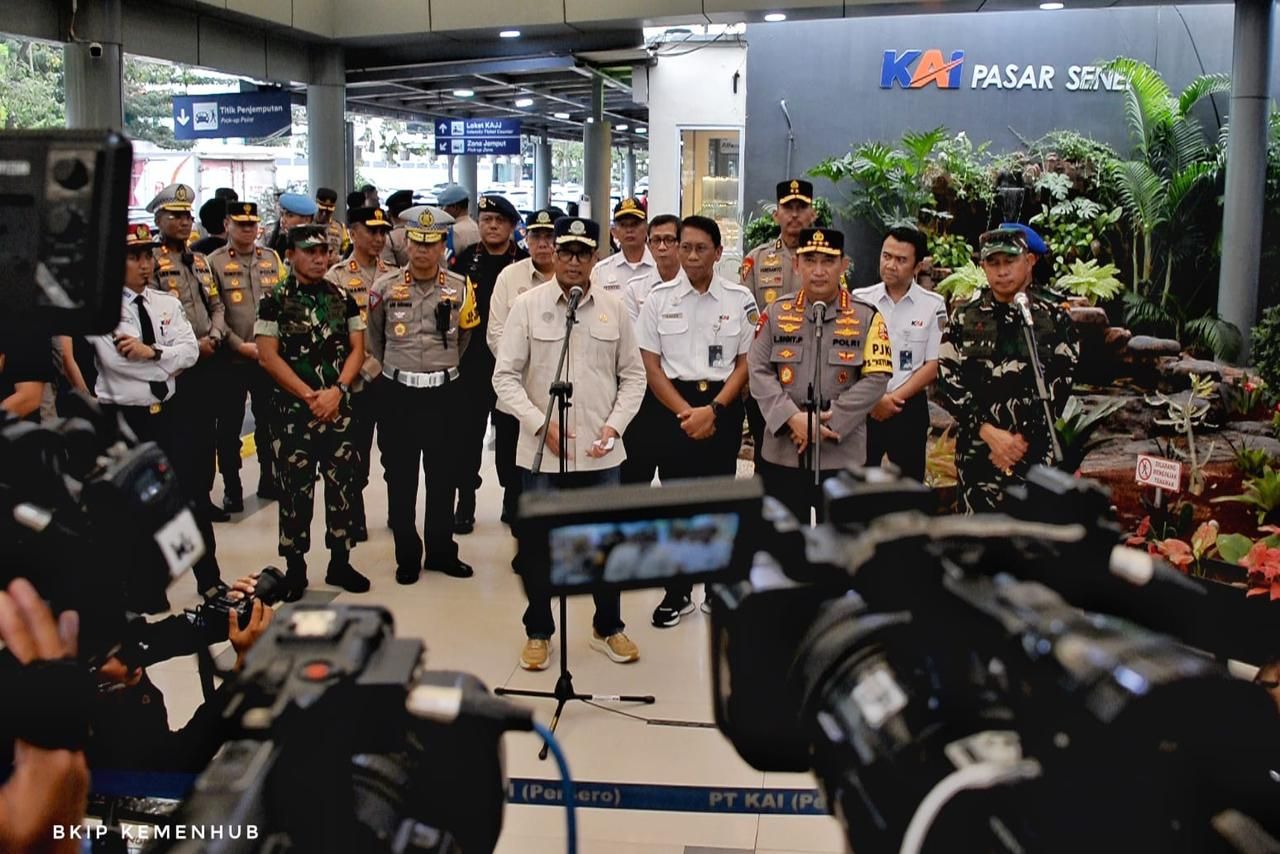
268 493
216 513
294 585
407 574
346 577
464 524
233 503
360 535
453 569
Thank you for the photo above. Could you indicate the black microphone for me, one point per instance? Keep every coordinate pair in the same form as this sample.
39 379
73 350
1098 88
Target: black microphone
575 296
819 311
1024 307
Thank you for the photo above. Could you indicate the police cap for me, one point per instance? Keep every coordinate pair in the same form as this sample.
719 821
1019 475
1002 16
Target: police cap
545 218
242 212
453 194
795 189
827 241
326 199
175 197
298 203
572 229
369 217
630 206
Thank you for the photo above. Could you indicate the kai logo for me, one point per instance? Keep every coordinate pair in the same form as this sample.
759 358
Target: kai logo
932 68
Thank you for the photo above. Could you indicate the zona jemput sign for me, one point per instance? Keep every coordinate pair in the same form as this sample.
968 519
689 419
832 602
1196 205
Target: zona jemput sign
477 136
916 69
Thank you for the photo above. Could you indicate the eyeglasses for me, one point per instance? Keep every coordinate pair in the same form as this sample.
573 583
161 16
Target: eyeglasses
581 255
663 240
696 248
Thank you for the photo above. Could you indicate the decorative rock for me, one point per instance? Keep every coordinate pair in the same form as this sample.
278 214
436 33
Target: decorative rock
1089 316
1116 337
1150 346
1184 368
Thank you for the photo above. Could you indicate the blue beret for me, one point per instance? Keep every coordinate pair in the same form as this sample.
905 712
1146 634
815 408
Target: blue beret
1034 241
298 203
452 195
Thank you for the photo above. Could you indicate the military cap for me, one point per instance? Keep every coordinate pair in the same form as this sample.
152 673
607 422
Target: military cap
828 241
307 236
1002 241
795 189
630 206
368 217
453 194
175 197
326 199
212 213
572 229
242 212
355 199
1035 242
398 201
499 205
545 218
298 203
426 224
139 236
226 194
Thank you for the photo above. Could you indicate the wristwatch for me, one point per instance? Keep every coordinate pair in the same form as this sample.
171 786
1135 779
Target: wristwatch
716 408
155 353
344 388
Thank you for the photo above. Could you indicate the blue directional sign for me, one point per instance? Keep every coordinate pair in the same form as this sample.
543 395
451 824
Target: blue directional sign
477 136
241 114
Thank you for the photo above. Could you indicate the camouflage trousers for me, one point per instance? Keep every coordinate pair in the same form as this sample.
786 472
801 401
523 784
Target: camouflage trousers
979 484
302 447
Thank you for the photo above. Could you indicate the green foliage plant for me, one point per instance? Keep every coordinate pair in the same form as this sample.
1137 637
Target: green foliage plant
1185 413
1262 492
1265 347
1076 426
1087 279
963 283
883 185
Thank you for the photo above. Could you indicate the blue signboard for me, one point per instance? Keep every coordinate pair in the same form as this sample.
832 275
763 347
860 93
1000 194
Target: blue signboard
241 114
477 136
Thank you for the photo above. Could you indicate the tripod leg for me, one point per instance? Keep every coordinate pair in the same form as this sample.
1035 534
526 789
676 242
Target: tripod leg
555 721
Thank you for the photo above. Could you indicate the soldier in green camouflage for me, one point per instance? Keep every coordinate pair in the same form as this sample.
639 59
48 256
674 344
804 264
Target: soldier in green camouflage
311 341
987 379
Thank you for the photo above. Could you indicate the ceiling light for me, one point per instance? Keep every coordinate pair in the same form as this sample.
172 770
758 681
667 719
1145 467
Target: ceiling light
463 93
561 115
622 126
524 102
1051 7
642 130
775 17
509 34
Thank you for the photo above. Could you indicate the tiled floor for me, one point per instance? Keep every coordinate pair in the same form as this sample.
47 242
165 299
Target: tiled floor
474 625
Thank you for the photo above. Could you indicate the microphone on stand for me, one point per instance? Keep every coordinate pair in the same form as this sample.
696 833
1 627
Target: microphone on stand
575 296
819 311
1024 308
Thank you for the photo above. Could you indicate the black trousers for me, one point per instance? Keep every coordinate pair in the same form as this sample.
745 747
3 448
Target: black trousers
193 411
755 426
904 437
679 456
794 488
159 427
478 401
240 378
538 622
417 431
644 438
506 429
364 416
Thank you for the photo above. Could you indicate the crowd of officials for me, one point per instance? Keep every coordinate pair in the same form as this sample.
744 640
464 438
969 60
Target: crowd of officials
420 326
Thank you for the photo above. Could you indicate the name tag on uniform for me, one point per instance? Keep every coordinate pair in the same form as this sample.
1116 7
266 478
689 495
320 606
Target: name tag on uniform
904 360
715 356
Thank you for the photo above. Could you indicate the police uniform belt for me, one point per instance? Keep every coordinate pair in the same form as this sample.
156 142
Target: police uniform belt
701 386
417 379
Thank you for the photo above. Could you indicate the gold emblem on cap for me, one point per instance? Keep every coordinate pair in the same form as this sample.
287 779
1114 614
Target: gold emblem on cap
377 213
795 186
248 208
484 202
543 216
425 218
628 204
181 193
818 238
142 232
577 227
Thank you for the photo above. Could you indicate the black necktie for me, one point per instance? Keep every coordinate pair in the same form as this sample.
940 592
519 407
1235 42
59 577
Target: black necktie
159 389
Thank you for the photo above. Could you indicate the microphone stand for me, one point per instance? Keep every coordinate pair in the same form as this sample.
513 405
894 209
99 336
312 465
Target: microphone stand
813 404
560 393
1042 388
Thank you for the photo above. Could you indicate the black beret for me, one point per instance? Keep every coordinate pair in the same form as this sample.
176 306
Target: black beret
212 213
498 205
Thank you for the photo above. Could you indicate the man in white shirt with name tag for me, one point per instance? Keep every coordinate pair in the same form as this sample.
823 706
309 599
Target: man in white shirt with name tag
632 258
899 423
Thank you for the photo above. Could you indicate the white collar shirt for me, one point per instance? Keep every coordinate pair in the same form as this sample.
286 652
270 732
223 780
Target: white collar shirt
915 326
613 273
698 335
127 382
514 280
637 289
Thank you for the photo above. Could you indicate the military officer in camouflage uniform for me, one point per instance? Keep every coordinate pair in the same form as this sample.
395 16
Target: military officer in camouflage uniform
856 363
311 341
420 322
369 229
986 377
339 237
244 272
769 270
186 275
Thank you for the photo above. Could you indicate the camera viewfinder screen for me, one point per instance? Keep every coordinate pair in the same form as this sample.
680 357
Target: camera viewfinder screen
637 553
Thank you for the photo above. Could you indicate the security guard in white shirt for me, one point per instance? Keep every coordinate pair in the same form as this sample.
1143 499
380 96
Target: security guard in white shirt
899 423
664 243
137 365
632 260
694 335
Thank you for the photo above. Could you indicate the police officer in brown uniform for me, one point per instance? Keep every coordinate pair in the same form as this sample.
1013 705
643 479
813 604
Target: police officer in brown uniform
339 239
244 273
420 322
854 367
396 252
186 275
769 269
369 228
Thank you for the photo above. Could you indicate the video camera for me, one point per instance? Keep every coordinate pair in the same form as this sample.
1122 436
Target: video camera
1001 682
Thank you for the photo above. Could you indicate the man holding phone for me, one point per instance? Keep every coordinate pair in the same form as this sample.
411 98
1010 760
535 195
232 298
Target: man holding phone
604 365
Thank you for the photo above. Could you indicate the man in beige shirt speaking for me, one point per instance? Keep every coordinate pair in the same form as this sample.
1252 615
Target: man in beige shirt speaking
608 379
